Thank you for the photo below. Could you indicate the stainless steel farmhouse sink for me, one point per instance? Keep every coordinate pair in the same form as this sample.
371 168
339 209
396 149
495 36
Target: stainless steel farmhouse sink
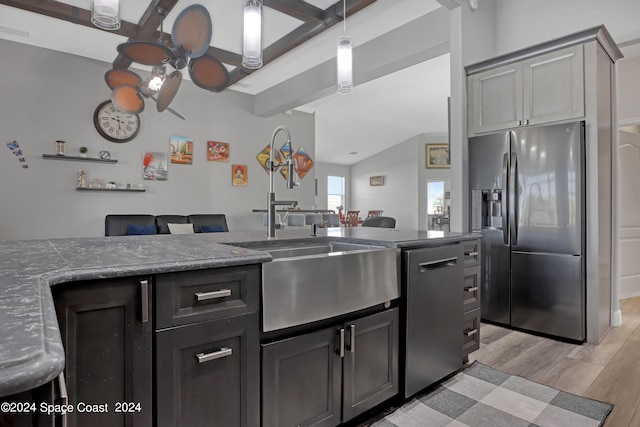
310 280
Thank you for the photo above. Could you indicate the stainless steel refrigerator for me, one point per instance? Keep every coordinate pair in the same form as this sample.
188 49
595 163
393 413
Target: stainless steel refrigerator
527 189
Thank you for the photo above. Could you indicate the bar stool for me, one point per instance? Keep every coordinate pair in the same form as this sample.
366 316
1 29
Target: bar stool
265 219
295 220
332 220
313 219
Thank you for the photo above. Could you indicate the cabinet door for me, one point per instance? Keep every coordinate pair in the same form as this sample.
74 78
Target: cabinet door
370 363
107 335
554 86
209 374
301 381
495 99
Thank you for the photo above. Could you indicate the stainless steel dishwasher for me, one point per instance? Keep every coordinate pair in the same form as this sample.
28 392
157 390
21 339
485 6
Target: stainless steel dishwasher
433 323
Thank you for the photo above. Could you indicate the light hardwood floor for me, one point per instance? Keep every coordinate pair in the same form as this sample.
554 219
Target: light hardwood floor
609 372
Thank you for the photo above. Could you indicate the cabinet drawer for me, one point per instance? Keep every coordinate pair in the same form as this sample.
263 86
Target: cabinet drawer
471 289
471 253
471 331
196 296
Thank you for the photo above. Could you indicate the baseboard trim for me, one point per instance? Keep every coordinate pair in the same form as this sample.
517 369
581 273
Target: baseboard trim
616 318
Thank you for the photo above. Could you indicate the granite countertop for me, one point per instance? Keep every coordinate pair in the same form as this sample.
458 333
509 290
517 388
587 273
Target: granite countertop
31 351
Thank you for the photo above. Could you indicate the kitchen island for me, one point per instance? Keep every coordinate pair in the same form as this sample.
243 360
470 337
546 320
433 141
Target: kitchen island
32 354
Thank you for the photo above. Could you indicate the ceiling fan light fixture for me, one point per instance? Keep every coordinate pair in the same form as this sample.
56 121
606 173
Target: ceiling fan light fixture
105 14
158 74
252 35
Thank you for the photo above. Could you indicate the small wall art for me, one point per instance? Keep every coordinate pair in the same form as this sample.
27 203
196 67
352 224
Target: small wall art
263 158
17 151
303 162
155 166
217 151
181 150
376 181
437 156
239 175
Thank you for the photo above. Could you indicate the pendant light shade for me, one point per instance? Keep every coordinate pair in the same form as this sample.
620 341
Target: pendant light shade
345 65
252 40
344 57
105 14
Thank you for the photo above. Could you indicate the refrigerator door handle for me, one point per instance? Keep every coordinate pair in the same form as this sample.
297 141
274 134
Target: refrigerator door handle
513 199
505 197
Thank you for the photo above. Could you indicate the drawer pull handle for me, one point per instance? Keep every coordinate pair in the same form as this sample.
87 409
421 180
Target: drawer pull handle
64 397
203 296
473 254
206 357
352 338
144 297
340 350
471 289
432 265
470 332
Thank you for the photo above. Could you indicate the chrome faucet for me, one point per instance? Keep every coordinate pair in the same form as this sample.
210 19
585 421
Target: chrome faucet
271 197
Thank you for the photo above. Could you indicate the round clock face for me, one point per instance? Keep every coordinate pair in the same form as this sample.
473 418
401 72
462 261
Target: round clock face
115 125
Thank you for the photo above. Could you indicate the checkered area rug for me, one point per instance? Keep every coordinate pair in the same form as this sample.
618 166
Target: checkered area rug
481 396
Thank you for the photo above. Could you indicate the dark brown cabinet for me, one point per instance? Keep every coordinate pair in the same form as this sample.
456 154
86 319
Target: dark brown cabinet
208 348
107 334
328 377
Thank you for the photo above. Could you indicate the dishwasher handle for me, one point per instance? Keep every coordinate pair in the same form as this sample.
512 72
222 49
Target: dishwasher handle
434 265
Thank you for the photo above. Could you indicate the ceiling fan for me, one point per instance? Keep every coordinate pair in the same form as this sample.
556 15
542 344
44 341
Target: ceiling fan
191 35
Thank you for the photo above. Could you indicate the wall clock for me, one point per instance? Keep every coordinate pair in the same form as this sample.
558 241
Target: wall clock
115 125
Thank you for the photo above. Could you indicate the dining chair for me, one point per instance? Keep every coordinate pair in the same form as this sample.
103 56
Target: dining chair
351 219
374 213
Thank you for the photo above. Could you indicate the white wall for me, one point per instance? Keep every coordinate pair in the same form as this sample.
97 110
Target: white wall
629 90
521 23
403 195
48 96
323 170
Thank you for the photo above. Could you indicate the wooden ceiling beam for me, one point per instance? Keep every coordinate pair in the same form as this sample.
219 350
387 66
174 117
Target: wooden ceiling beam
298 9
67 13
315 21
147 27
333 14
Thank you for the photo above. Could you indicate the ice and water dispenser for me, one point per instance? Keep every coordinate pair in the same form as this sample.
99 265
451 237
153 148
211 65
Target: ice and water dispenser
486 209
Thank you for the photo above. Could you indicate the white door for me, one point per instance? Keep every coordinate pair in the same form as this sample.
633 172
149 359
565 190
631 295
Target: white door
629 214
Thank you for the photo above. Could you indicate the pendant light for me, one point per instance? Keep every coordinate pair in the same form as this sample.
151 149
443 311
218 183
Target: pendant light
252 40
105 14
345 57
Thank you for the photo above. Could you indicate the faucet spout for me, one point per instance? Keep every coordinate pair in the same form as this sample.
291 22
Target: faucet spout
271 196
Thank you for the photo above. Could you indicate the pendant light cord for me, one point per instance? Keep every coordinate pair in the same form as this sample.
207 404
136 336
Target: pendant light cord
344 16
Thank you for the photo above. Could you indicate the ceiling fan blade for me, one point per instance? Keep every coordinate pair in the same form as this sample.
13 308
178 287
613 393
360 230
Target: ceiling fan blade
127 98
145 53
168 90
192 30
208 73
171 110
115 78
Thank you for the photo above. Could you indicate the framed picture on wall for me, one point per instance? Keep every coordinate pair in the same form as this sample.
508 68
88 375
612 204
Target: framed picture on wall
376 181
437 156
217 151
239 175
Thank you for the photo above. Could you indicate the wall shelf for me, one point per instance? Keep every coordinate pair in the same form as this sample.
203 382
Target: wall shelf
77 158
130 190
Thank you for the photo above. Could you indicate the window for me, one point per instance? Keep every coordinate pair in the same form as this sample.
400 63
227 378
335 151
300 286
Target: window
335 192
435 198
